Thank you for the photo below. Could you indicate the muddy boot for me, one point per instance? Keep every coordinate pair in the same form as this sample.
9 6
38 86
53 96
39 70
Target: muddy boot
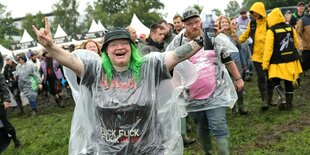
187 141
222 146
16 141
270 95
280 92
234 110
289 99
241 109
34 112
265 105
58 101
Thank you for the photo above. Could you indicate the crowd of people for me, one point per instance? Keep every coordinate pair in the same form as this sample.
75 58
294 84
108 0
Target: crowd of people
129 97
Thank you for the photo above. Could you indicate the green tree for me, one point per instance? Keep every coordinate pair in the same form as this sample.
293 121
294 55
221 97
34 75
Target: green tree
7 28
30 20
232 9
66 14
218 12
118 13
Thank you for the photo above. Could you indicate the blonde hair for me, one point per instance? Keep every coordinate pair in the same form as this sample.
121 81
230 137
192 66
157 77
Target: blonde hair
230 32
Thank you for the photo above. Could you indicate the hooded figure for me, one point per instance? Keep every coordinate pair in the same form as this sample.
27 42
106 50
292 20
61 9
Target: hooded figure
281 57
260 33
257 29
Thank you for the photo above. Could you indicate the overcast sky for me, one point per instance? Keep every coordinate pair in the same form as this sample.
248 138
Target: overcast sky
19 8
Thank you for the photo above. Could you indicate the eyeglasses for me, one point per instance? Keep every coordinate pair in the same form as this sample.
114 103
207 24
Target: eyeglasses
115 44
193 23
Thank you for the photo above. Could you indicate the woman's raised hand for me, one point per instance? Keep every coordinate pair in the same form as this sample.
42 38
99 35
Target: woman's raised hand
44 35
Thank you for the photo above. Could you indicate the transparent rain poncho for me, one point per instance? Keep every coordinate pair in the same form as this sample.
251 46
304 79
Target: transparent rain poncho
125 117
213 87
24 73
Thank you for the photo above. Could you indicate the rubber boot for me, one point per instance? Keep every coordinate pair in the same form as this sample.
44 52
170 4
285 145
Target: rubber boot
265 105
19 105
289 99
16 141
270 95
280 92
34 109
222 146
234 110
241 109
11 131
58 101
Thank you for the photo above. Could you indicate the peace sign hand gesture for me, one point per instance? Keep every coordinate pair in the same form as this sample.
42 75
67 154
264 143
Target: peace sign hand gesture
44 35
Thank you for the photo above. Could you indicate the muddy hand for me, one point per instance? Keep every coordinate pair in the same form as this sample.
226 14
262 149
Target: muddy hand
44 35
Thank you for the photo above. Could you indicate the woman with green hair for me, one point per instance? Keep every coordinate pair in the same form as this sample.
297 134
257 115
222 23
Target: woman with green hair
125 103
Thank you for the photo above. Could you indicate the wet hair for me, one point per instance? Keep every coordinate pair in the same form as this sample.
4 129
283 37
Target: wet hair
162 21
136 60
177 16
230 31
83 45
156 26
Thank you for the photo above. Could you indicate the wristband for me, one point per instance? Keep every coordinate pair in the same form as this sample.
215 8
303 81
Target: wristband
238 78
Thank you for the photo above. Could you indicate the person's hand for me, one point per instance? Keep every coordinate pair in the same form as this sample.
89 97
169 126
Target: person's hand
44 35
40 86
239 84
6 104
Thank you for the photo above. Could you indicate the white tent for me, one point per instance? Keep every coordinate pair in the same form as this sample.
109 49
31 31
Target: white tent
93 27
39 47
101 27
26 37
4 51
60 32
139 26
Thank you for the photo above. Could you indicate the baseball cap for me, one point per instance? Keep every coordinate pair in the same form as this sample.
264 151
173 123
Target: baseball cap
117 33
189 13
301 3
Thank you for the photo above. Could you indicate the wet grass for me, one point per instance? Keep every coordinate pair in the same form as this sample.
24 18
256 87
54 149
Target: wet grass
271 132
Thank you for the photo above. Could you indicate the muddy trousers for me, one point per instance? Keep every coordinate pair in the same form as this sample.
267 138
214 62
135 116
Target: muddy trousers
16 94
9 128
212 122
33 102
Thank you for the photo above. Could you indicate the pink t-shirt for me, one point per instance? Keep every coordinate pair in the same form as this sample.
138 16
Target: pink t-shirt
205 84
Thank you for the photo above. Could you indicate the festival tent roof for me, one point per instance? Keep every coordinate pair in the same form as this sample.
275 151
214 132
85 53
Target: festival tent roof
93 27
139 26
60 32
101 27
26 37
4 51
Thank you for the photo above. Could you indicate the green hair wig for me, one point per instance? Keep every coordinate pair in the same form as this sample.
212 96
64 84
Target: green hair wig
136 60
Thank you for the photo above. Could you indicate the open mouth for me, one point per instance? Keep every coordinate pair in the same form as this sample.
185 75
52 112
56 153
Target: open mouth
120 54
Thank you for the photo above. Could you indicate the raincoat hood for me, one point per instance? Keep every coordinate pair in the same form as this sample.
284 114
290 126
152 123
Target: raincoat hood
275 17
259 8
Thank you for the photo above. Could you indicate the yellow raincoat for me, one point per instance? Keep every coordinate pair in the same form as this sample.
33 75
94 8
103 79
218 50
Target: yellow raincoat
286 71
260 33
